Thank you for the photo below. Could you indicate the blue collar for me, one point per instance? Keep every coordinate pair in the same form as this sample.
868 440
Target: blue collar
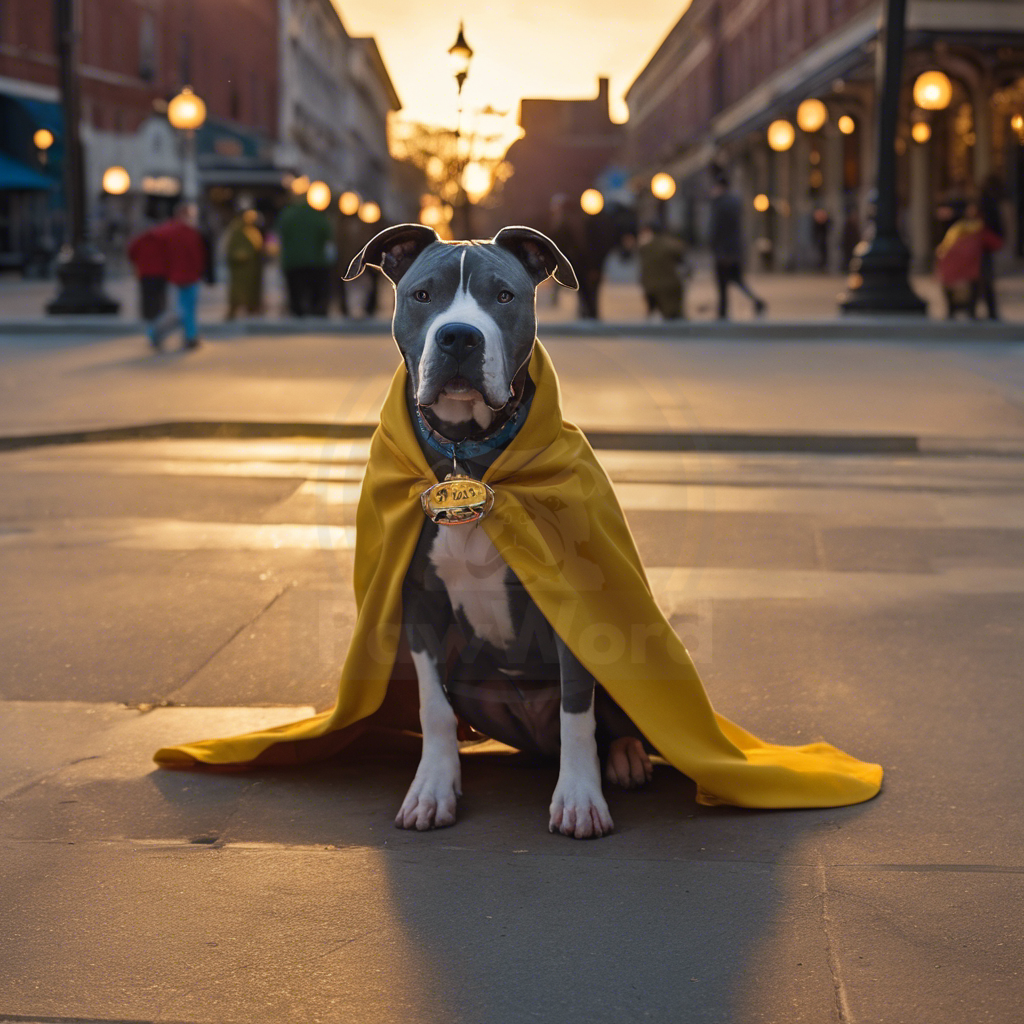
472 449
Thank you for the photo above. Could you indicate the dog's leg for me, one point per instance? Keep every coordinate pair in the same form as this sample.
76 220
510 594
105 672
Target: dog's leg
578 807
430 802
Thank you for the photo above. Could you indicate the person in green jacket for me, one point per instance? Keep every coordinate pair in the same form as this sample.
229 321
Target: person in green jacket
306 238
663 269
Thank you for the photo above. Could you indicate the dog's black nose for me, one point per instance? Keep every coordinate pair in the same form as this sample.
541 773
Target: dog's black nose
458 340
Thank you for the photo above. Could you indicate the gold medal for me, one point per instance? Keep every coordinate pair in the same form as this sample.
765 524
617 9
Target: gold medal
457 500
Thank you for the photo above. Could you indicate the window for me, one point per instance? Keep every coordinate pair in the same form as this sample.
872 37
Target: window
147 46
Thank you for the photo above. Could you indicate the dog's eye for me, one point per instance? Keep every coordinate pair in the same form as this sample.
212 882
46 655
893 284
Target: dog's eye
505 296
420 295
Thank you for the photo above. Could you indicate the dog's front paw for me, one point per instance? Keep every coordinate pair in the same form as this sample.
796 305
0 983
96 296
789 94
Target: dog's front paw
430 802
628 764
578 809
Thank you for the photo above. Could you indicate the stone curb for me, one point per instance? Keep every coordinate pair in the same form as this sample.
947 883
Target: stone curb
898 329
606 440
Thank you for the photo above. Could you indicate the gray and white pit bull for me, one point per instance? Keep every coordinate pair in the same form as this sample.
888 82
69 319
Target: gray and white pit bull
465 323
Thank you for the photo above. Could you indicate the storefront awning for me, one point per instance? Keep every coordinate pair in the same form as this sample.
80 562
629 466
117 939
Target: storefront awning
15 176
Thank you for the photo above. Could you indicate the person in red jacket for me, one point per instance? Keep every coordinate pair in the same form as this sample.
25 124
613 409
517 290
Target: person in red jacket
149 258
185 255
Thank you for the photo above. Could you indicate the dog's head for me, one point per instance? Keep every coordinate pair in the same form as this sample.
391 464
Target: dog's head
465 313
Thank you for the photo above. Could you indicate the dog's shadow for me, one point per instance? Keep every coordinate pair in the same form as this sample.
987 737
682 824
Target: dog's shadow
673 916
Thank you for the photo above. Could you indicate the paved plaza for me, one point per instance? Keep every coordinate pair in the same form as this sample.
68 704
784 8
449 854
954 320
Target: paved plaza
836 531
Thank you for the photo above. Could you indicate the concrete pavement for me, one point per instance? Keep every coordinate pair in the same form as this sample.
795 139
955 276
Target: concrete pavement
163 589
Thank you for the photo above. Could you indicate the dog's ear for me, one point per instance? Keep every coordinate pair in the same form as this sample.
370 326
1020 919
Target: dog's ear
541 257
392 251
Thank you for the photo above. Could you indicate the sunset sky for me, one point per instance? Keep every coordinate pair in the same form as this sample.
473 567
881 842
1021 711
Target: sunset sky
521 48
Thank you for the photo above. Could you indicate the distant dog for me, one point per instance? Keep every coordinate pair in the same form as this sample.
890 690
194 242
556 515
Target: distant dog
465 322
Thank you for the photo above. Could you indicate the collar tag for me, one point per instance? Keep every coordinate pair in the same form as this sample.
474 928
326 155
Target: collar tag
457 500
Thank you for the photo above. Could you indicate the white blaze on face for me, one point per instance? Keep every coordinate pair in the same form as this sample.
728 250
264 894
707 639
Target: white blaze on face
465 309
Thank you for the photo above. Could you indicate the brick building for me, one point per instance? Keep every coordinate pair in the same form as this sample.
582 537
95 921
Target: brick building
729 68
133 56
566 146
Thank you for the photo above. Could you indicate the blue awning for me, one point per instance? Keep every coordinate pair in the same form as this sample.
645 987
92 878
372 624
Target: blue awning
16 176
44 113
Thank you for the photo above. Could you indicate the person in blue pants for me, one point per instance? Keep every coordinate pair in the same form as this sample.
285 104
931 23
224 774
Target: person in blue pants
185 265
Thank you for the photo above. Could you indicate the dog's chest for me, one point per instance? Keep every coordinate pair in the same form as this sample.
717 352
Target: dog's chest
476 578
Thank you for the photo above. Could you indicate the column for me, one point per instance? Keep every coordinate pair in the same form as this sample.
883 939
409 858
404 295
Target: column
800 200
832 191
782 203
920 212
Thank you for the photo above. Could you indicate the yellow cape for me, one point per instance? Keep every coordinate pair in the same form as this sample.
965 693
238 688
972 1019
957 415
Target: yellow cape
557 524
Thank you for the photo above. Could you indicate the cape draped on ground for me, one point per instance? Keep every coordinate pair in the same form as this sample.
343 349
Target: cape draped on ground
556 522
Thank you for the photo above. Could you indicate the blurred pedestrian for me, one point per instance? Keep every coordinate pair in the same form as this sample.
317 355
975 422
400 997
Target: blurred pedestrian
185 253
990 208
663 269
244 253
307 250
566 232
351 235
821 228
148 256
959 262
726 240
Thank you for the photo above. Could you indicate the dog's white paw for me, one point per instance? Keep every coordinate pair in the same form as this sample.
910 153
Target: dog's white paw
628 764
430 802
578 809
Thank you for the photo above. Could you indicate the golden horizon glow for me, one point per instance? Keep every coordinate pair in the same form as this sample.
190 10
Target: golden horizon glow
592 202
811 115
781 135
43 138
186 111
318 195
349 203
933 90
116 181
519 50
847 125
761 203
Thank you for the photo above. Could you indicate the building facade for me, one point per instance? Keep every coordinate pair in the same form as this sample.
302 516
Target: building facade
287 91
565 148
133 56
729 68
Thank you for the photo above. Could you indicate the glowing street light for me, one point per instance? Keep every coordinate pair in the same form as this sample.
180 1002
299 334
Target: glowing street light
781 136
921 132
116 181
349 203
663 185
186 111
847 125
318 195
43 139
300 185
459 56
592 202
762 203
369 213
811 115
933 90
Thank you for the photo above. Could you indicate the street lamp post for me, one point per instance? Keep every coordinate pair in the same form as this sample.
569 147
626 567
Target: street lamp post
187 113
80 265
879 280
459 55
